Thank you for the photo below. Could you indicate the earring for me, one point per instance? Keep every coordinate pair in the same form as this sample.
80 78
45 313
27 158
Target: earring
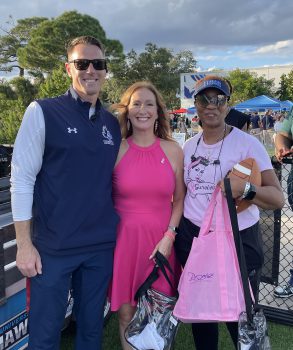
128 124
156 125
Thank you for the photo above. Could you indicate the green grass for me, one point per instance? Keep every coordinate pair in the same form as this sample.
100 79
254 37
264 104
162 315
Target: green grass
281 337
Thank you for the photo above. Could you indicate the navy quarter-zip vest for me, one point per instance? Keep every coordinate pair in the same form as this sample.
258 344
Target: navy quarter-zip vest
73 207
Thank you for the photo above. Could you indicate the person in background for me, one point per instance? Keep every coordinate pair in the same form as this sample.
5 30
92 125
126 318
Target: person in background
255 124
278 122
62 206
267 120
182 125
283 148
175 122
148 192
208 157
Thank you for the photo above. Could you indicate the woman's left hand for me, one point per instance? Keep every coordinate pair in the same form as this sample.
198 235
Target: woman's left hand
237 187
164 247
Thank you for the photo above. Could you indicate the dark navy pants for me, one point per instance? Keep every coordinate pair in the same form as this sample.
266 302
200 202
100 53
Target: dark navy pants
89 274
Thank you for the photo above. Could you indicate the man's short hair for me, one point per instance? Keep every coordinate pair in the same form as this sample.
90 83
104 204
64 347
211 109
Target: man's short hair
85 40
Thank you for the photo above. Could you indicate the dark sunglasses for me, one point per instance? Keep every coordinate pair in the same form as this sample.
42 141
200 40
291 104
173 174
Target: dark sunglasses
218 100
83 64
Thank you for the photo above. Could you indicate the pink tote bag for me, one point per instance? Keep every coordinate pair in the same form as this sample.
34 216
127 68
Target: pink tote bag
210 287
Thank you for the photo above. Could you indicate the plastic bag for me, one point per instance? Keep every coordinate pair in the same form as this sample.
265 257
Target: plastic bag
153 325
253 336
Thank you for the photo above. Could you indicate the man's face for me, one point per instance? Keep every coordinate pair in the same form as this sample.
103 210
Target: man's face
87 83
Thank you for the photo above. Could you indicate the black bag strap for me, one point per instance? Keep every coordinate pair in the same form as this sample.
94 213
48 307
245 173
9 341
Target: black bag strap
161 264
239 249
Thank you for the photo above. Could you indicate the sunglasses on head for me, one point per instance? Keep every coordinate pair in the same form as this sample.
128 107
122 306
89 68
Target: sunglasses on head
83 64
218 100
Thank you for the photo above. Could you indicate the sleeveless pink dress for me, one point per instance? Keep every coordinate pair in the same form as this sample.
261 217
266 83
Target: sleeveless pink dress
143 185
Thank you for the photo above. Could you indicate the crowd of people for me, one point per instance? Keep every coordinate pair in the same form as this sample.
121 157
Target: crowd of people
94 198
259 124
179 123
268 121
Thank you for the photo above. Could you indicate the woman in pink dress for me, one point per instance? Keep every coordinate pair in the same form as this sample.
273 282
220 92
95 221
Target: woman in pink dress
148 192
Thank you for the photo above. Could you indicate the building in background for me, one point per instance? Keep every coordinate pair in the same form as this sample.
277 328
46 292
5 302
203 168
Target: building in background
188 80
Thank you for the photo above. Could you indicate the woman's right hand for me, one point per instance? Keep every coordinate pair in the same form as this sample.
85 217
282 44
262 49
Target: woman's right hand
164 247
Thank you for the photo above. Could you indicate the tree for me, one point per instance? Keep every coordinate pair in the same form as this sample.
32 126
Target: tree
24 89
10 119
15 96
55 84
285 91
46 47
6 91
14 39
247 85
158 65
282 91
290 85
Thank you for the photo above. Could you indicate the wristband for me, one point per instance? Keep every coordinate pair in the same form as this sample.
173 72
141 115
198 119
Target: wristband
170 235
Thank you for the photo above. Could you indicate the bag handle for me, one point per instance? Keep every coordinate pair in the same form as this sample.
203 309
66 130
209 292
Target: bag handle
161 263
239 249
209 214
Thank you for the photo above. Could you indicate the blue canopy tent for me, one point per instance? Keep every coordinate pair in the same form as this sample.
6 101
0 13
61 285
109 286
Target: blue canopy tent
286 105
191 110
259 103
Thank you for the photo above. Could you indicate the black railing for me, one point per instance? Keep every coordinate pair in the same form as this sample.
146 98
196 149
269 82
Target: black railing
277 233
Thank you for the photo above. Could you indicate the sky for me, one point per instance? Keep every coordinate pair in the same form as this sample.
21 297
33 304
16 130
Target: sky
222 34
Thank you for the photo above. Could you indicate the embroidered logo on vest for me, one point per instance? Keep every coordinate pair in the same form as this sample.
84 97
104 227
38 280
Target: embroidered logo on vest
69 130
108 138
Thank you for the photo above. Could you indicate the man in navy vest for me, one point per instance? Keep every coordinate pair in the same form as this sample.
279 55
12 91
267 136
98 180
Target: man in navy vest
62 206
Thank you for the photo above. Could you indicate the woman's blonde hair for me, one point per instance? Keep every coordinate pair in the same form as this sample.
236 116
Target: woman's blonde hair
162 130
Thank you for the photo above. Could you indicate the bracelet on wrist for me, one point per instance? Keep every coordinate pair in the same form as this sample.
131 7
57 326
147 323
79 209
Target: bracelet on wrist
246 190
173 229
170 235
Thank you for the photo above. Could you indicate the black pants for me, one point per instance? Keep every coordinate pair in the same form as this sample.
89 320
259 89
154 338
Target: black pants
206 335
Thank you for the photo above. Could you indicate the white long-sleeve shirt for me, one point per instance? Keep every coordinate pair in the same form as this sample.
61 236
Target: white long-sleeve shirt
27 160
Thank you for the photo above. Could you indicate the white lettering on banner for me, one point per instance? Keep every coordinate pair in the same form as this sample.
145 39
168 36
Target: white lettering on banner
13 331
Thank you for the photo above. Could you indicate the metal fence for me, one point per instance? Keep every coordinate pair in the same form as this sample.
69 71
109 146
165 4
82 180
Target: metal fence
277 234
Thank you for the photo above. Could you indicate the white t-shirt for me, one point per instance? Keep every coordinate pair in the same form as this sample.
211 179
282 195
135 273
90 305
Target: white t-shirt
202 175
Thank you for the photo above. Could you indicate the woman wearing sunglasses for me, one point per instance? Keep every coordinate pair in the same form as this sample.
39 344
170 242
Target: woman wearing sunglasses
208 157
148 192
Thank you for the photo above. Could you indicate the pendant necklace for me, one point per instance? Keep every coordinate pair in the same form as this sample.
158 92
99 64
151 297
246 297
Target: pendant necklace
217 161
